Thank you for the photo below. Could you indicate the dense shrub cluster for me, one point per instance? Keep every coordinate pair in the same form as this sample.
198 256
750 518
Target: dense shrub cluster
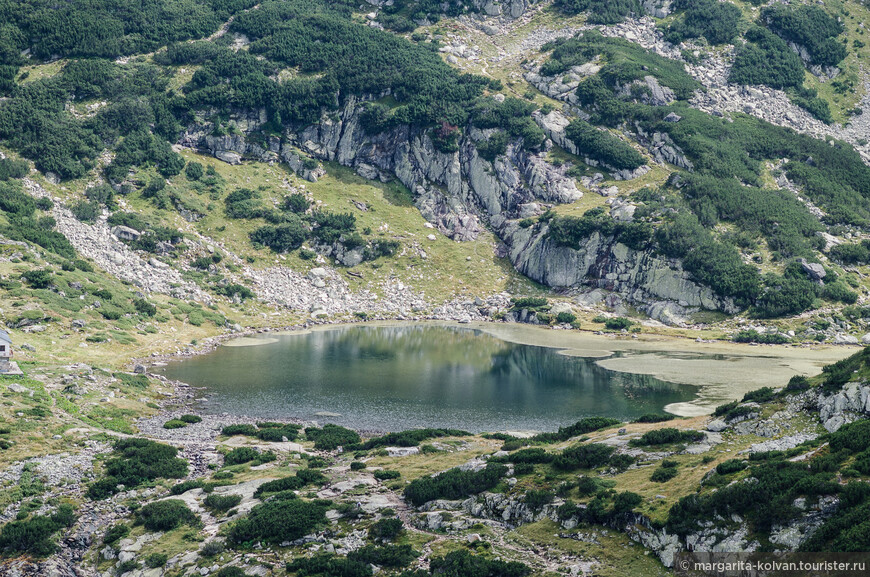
222 502
386 475
581 427
605 507
766 59
654 418
386 529
302 478
274 432
166 515
573 231
777 215
185 486
531 455
454 484
851 253
332 49
764 501
463 564
241 455
665 472
602 146
753 336
667 436
33 536
731 466
338 57
601 11
292 226
25 223
385 555
513 116
278 520
115 533
716 21
624 62
519 303
587 456
410 438
136 461
10 168
331 437
808 26
326 565
843 371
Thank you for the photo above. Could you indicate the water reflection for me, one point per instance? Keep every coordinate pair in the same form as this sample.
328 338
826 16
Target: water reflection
394 378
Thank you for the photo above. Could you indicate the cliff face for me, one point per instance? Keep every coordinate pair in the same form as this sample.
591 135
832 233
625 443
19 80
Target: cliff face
507 8
455 191
601 262
461 192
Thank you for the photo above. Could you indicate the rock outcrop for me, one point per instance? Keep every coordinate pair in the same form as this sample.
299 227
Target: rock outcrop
456 191
512 9
461 192
846 405
601 262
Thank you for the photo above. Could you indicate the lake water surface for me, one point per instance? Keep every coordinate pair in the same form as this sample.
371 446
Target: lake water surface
399 377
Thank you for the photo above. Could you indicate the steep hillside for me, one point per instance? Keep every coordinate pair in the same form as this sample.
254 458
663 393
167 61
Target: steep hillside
636 158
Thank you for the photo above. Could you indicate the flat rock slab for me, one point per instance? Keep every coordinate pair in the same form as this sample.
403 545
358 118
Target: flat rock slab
345 486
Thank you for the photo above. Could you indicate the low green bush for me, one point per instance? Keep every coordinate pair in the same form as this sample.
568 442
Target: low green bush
222 503
581 427
331 437
165 515
184 487
461 563
302 478
392 556
410 438
116 532
212 549
583 457
241 455
155 560
278 521
654 418
537 498
454 484
385 475
386 529
621 462
667 436
231 430
135 461
762 395
533 455
853 436
529 303
731 466
618 324
663 474
753 336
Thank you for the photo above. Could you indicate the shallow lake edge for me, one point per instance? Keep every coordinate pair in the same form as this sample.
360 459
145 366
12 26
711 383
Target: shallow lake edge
766 365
